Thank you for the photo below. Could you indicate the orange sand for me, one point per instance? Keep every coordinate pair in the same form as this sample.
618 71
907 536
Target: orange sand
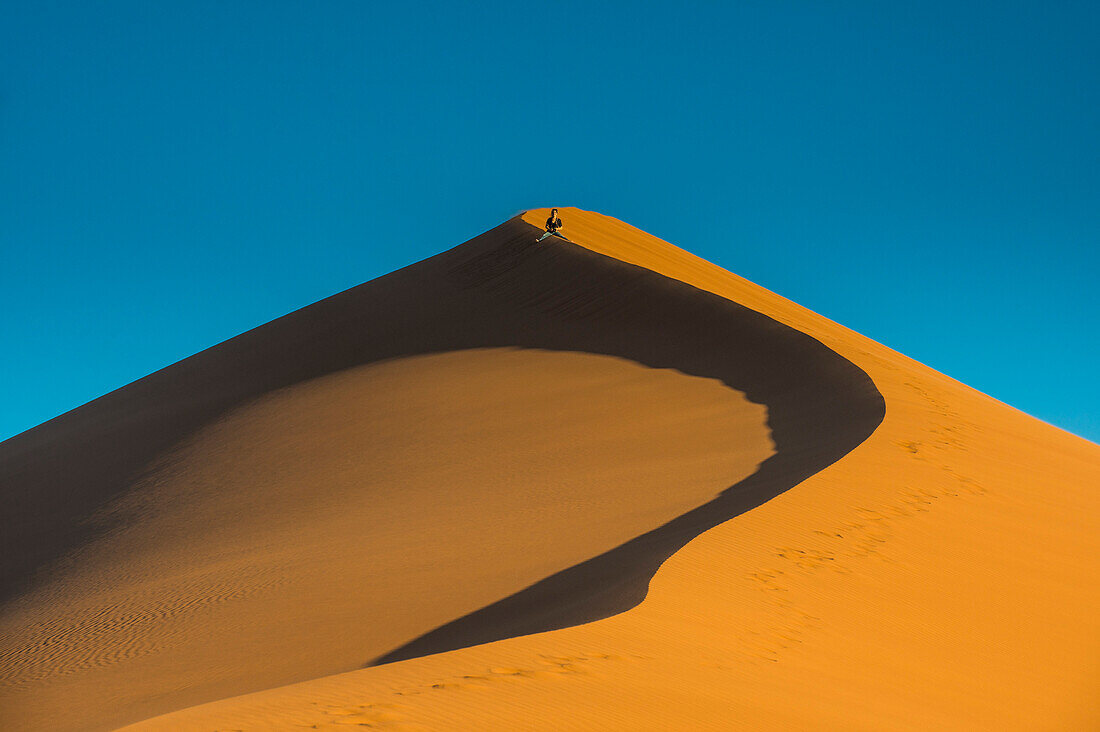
354 512
942 574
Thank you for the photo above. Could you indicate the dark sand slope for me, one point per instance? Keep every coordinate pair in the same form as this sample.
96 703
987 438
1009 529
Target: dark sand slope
62 482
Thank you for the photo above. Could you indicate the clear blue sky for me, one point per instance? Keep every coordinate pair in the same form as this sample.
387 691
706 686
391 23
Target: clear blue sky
172 174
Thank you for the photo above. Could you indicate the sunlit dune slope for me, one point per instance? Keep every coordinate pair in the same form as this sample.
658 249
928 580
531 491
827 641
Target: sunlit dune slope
499 441
941 575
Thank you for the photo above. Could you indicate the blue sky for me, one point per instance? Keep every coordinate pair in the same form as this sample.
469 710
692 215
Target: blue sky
174 174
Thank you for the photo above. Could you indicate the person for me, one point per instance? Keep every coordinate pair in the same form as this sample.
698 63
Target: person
552 225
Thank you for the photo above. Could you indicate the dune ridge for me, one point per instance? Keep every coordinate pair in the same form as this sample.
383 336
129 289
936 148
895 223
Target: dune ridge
95 484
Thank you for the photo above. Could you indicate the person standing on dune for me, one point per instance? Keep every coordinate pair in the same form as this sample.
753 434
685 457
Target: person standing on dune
552 225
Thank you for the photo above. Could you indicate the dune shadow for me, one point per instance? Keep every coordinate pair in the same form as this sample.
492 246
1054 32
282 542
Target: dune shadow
497 290
820 407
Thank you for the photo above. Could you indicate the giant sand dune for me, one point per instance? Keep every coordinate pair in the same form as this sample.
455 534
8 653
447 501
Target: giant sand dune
601 484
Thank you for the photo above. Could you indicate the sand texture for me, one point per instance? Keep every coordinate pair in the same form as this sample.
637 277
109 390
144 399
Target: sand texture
590 485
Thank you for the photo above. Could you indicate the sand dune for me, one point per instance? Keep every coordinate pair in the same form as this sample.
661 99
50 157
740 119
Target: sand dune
450 471
374 477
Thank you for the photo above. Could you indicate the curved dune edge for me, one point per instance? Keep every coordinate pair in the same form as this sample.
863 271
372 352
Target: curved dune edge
941 575
820 406
497 290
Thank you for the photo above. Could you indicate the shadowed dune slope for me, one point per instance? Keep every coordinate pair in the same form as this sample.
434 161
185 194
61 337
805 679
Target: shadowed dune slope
941 575
467 450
